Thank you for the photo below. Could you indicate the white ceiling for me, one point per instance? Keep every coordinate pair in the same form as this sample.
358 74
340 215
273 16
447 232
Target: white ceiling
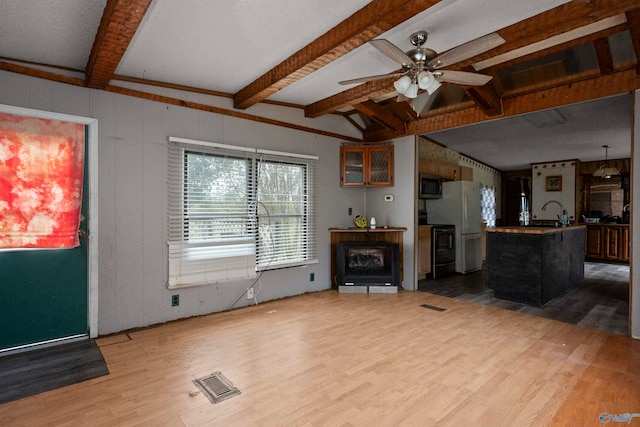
514 143
224 45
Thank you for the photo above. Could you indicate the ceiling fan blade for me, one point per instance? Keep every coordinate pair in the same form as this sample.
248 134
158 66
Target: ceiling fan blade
393 52
462 77
371 78
401 98
422 103
467 50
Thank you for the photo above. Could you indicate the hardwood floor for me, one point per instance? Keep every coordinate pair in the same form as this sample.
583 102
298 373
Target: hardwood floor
601 301
327 359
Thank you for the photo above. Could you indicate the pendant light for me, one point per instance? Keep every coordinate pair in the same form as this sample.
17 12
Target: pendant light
606 171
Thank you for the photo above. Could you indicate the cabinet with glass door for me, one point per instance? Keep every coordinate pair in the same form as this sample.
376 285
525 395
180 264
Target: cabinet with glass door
366 165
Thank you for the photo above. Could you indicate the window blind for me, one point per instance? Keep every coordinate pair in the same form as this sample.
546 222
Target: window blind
286 211
211 226
236 210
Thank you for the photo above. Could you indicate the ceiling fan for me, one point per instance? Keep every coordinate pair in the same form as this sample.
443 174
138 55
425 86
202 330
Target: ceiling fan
421 67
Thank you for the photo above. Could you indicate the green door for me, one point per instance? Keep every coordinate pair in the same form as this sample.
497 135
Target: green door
44 293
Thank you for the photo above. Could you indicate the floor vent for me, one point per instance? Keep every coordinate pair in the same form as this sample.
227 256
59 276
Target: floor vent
433 307
216 387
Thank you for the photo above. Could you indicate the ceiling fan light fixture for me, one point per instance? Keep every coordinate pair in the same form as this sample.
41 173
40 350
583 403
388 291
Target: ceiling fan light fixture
605 171
402 84
428 82
412 91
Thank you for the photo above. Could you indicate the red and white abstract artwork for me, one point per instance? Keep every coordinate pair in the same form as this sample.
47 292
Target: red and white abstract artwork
41 173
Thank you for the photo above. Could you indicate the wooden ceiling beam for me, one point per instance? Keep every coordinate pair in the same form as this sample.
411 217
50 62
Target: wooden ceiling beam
380 115
119 23
367 23
633 17
487 99
559 20
349 97
557 48
603 53
586 90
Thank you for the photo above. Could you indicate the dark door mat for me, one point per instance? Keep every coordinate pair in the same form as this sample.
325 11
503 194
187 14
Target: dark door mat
36 371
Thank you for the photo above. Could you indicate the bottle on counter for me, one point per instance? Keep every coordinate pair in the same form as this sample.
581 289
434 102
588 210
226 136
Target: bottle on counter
524 210
372 223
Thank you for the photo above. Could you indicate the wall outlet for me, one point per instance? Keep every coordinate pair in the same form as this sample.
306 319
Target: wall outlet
175 300
312 277
250 294
388 197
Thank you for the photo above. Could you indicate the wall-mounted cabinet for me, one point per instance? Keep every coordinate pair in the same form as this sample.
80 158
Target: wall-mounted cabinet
445 170
366 165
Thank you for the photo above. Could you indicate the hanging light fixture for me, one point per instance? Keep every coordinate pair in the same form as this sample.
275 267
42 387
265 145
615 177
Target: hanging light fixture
606 171
428 82
406 86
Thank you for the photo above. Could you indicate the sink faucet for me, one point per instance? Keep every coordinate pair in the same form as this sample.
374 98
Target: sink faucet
544 207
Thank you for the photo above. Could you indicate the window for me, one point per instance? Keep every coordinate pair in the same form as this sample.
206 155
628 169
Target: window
488 201
234 211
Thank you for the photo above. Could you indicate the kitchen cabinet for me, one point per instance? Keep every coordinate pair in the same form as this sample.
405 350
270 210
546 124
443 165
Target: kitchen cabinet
594 241
448 171
608 242
366 165
424 251
533 264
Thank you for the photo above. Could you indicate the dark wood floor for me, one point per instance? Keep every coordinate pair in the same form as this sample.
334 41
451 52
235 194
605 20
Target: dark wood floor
36 371
601 301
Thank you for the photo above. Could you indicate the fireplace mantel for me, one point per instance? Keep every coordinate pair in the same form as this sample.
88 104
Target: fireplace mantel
388 234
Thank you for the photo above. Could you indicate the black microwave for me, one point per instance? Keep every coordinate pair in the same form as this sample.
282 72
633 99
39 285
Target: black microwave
429 187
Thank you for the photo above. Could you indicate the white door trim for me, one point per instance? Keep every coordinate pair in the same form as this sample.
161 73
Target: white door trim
92 221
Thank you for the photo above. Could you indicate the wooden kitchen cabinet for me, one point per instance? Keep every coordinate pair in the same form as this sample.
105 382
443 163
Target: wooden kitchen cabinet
448 171
608 242
424 251
594 241
366 165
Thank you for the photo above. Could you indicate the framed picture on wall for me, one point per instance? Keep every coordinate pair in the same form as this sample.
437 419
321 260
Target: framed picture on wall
554 183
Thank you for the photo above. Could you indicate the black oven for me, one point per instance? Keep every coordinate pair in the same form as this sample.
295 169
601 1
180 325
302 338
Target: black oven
443 250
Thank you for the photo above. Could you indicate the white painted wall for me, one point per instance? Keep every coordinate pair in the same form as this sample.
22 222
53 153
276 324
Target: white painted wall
133 136
401 212
132 191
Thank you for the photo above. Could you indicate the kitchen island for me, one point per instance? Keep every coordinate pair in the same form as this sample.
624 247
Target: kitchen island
533 264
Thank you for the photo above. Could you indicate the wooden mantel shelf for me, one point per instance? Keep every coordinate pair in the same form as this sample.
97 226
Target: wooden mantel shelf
355 234
366 229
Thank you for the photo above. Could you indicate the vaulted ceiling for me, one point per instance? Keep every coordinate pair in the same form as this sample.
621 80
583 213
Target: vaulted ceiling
294 53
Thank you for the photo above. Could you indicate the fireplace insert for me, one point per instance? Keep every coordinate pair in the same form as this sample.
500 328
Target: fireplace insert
367 263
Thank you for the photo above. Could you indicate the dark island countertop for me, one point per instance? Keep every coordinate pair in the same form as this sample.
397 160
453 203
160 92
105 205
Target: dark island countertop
532 264
532 229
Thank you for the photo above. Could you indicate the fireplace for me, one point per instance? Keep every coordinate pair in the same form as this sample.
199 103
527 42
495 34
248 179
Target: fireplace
367 263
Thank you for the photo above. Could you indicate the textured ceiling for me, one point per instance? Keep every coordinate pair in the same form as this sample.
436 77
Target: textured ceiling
225 46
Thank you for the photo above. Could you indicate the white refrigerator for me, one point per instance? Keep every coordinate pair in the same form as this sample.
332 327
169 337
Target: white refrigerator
460 205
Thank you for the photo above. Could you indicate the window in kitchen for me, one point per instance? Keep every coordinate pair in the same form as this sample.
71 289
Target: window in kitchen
235 211
488 205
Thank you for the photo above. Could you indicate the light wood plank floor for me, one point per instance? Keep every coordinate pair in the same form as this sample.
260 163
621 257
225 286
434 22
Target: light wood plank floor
330 359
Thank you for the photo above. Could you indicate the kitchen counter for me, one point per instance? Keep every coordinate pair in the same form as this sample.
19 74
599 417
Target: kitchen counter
532 229
532 264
